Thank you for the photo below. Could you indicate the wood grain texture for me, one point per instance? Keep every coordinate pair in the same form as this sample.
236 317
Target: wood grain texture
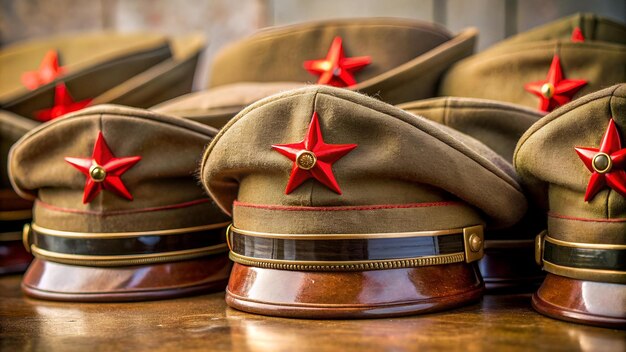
203 323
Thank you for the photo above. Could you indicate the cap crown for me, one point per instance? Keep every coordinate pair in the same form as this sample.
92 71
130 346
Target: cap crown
162 184
548 163
399 159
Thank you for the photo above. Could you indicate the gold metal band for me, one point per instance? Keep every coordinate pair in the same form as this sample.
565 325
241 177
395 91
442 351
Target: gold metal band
348 265
100 235
346 236
586 274
14 215
584 245
473 243
126 260
601 275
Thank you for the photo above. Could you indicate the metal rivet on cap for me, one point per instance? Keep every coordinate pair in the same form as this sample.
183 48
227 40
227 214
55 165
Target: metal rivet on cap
97 173
475 242
602 163
306 160
547 90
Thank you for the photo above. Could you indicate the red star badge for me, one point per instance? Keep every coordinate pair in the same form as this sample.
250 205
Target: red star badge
577 35
312 158
607 163
555 91
103 170
63 104
49 70
336 70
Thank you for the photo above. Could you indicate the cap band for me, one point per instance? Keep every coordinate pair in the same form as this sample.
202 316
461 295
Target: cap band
349 252
585 261
125 248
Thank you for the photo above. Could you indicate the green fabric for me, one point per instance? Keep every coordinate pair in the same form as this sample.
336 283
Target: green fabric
400 159
593 28
550 167
170 150
500 72
408 57
216 106
165 80
93 63
498 125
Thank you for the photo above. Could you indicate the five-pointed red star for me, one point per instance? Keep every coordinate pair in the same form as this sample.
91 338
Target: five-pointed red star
336 70
577 35
63 104
607 163
555 91
103 170
49 70
312 158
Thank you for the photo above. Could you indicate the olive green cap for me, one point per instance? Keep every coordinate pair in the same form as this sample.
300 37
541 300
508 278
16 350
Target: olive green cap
496 124
164 81
325 184
570 160
165 145
92 64
406 57
216 106
400 158
116 205
509 261
516 70
591 26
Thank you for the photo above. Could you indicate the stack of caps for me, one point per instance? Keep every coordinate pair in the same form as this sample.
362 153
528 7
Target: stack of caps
509 253
545 67
584 53
397 60
43 79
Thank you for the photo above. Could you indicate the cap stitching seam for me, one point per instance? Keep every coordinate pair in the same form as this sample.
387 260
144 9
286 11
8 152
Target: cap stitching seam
123 212
565 217
347 208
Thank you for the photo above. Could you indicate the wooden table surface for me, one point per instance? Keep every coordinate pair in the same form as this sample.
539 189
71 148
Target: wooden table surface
498 323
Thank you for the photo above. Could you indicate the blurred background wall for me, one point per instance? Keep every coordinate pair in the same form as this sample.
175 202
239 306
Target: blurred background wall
224 21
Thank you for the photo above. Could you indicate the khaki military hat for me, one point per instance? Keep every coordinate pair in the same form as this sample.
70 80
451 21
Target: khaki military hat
164 81
545 67
345 206
46 78
396 59
14 211
216 106
118 212
574 162
509 261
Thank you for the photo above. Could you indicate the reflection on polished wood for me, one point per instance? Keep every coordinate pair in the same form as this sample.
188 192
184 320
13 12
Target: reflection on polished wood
499 322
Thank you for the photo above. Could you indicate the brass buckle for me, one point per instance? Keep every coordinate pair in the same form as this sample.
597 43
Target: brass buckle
25 236
228 232
474 243
539 247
